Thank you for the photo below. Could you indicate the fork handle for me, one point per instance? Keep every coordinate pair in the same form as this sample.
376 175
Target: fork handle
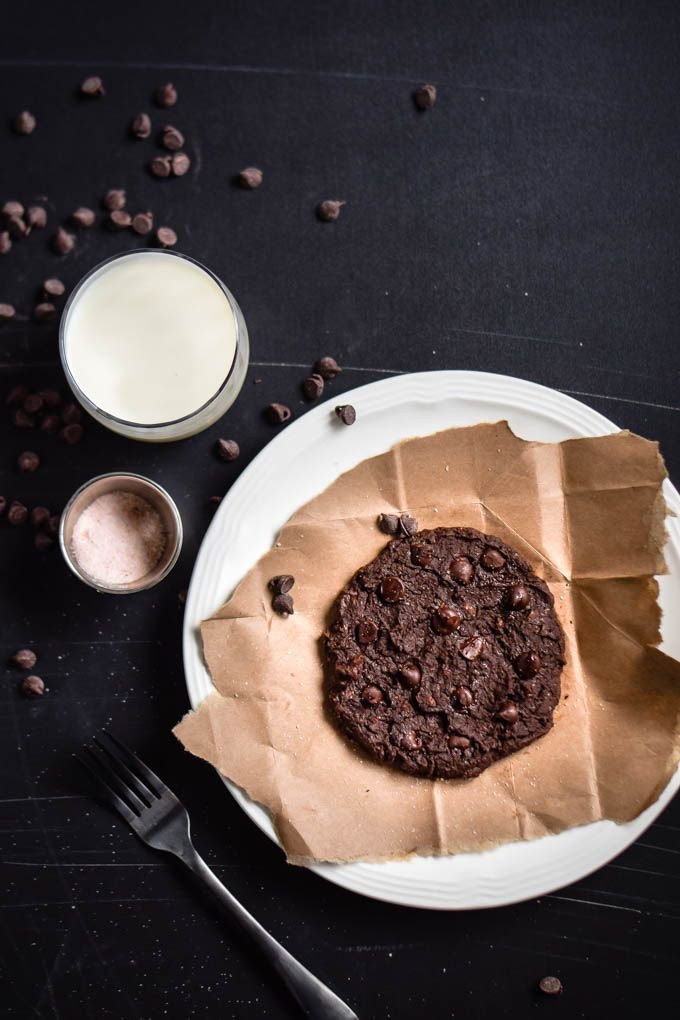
315 998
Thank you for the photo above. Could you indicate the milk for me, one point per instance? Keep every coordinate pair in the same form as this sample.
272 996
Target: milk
149 338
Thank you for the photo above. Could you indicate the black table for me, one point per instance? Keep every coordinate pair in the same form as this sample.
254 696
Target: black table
527 225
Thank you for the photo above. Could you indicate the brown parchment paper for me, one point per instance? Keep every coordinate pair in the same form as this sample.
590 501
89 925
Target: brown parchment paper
588 515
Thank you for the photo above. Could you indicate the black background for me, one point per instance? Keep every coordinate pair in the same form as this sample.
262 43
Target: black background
527 225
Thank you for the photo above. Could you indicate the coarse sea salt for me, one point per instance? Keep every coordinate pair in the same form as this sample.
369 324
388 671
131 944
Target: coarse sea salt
118 538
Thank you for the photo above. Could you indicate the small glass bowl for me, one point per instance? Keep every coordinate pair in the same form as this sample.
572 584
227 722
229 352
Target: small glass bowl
154 494
203 417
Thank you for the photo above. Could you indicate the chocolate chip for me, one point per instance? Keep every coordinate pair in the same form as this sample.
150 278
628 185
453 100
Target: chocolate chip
250 178
281 584
25 658
472 648
72 434
346 413
461 570
24 123
7 312
181 597
36 217
313 386
40 517
391 589
446 619
17 514
83 217
92 86
509 712
278 413
166 96
63 242
140 126
51 423
214 502
227 449
464 696
32 687
52 526
460 743
283 604
12 208
17 227
5 242
28 462
410 741
119 219
411 674
166 237
329 210
50 398
372 695
425 96
3 505
142 223
366 632
71 414
17 395
550 985
45 312
53 287
327 367
180 164
408 525
43 541
172 138
518 596
491 559
115 198
33 403
421 554
528 664
388 523
23 420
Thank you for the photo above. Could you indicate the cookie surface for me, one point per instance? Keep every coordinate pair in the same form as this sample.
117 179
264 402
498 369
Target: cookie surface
444 654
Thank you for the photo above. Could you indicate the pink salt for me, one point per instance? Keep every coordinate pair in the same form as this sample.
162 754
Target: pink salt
118 538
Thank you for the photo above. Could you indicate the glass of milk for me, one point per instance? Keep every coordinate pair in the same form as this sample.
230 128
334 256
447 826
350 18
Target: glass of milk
154 346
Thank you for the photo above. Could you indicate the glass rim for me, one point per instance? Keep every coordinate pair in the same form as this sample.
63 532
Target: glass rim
80 393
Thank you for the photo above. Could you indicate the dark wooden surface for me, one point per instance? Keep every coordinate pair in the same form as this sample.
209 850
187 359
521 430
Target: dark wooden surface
528 225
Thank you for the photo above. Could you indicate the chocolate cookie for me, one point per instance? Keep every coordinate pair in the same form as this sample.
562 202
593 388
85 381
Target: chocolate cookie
444 654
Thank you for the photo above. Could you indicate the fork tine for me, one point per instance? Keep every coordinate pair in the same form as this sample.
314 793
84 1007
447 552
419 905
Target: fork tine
150 779
116 781
125 774
112 797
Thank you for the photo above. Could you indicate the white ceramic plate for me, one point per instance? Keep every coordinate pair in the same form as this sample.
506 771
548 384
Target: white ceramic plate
299 463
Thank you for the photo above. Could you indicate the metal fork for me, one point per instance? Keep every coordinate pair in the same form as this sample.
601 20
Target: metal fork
160 820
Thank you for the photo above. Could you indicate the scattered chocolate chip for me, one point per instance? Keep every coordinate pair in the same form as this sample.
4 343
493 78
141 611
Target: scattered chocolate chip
410 741
278 413
142 223
32 687
50 424
45 312
83 217
214 502
16 226
313 386
17 514
7 312
372 695
461 570
63 242
250 178
53 287
472 648
366 632
115 198
140 126
388 523
72 434
180 164
446 619
408 525
24 123
421 554
172 138
36 217
161 166
283 604
33 403
425 96
329 210
411 674
52 526
181 597
346 414
509 712
17 395
460 743
550 985
3 505
327 367
40 516
391 589
528 664
28 462
71 414
25 658
166 96
5 242
43 541
491 559
23 420
12 208
281 584
464 696
119 219
50 398
92 86
518 597
166 237
227 449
